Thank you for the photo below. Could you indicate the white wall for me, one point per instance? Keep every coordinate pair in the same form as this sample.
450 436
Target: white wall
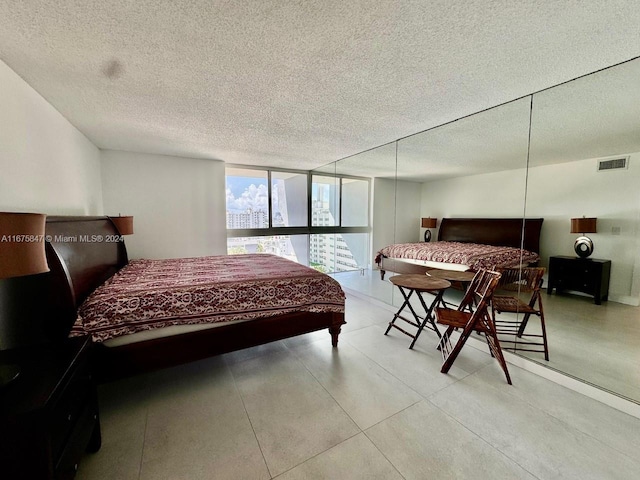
576 189
557 193
46 164
408 212
383 215
178 203
499 194
396 212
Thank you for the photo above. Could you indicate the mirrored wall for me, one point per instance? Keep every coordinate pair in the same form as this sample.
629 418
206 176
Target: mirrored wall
543 156
579 131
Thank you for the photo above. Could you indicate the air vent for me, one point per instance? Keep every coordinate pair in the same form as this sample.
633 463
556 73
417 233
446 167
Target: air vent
613 164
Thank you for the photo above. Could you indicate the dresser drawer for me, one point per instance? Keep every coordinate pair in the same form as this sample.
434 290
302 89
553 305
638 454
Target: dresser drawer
67 409
579 283
79 437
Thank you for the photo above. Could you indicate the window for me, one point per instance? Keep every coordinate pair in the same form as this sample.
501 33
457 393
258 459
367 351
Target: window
247 199
324 204
339 201
291 247
317 220
289 199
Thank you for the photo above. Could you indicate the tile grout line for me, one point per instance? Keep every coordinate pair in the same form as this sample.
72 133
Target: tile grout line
337 403
381 452
477 435
387 371
574 382
144 439
402 381
355 423
527 402
318 454
235 386
426 398
564 423
320 383
558 419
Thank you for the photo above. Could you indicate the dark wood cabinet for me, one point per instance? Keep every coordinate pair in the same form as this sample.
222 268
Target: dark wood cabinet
49 414
586 275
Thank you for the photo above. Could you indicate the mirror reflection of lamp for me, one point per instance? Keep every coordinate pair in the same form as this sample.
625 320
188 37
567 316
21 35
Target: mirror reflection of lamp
22 254
583 244
123 224
428 223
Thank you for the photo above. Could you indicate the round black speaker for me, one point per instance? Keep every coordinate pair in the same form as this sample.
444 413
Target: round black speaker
583 247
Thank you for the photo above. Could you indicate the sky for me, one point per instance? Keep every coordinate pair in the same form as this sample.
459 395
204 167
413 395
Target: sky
244 193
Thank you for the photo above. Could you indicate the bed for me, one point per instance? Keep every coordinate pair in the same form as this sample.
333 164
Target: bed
467 244
91 277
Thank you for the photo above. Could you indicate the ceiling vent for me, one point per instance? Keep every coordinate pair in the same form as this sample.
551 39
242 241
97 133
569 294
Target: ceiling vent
613 164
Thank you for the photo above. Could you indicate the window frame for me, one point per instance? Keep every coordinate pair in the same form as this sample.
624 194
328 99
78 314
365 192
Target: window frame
301 230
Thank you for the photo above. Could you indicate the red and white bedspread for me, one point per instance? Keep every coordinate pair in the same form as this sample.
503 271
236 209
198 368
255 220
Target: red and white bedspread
474 255
150 294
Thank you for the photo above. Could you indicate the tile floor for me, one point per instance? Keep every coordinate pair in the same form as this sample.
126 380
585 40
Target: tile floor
595 343
372 408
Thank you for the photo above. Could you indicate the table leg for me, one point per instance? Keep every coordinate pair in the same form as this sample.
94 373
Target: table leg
397 314
429 316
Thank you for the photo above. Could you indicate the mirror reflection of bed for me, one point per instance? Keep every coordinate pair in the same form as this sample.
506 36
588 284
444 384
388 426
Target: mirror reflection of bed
467 244
481 166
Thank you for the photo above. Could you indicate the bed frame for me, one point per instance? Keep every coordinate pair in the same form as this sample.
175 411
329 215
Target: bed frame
504 232
83 252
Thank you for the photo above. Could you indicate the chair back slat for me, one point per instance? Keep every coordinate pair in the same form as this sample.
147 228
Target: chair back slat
519 293
477 299
526 279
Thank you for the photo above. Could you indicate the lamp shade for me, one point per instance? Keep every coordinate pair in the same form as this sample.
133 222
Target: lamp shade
123 224
583 225
429 222
22 244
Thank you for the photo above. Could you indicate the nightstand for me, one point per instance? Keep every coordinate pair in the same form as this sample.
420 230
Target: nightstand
49 414
586 275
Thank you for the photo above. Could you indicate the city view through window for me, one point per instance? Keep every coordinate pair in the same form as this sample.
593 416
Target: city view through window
248 208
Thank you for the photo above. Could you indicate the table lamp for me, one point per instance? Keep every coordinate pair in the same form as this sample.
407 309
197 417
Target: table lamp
123 224
583 244
428 223
22 253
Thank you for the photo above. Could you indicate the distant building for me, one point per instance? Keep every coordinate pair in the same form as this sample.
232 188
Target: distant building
330 251
248 219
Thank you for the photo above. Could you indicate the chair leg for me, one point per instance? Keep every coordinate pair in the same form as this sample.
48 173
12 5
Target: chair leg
486 337
523 325
494 345
544 334
535 298
464 335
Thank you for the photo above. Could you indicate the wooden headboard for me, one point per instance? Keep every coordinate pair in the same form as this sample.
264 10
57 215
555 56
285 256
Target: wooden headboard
506 232
82 252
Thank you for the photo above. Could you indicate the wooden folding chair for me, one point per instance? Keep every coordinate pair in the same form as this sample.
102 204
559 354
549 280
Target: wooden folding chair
525 283
478 296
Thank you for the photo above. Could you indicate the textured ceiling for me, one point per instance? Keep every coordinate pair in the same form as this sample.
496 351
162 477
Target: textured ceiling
297 84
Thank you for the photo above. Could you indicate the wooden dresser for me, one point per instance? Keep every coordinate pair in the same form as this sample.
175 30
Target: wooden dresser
49 413
586 275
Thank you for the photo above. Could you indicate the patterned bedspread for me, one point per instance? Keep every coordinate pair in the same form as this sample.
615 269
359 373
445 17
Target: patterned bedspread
474 255
149 294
